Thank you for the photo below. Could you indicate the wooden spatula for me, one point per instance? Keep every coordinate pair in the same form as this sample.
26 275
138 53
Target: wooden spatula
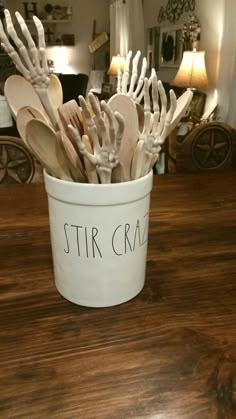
70 113
126 107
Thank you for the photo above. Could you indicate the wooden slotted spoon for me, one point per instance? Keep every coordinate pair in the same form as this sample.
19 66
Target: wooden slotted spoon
70 113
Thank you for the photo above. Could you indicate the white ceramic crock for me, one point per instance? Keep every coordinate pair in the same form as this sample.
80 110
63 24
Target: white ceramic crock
99 237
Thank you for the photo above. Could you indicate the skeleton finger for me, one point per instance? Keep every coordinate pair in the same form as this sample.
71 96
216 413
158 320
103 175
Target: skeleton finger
169 116
81 145
140 81
5 39
141 94
92 130
162 94
25 31
11 30
155 99
40 31
147 109
125 78
120 130
134 74
41 44
32 47
85 110
8 48
100 119
110 117
19 44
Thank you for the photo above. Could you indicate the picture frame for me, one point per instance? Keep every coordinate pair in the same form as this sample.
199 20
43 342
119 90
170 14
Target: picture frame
196 108
107 90
197 105
170 46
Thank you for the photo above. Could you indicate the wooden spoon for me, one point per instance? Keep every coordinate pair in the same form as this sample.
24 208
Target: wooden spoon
43 141
55 91
124 104
20 93
25 115
72 158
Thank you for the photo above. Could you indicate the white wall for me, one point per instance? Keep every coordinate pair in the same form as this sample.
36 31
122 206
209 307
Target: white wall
211 17
84 13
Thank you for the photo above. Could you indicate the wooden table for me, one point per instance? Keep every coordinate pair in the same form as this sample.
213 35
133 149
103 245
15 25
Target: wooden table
167 354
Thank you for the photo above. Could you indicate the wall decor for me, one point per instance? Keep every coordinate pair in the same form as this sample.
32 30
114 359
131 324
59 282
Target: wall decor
170 46
191 33
174 9
30 10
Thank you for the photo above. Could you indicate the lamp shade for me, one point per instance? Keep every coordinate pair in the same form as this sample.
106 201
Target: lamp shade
117 63
192 70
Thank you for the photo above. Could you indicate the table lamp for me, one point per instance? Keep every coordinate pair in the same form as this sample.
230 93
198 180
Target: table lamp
192 71
117 63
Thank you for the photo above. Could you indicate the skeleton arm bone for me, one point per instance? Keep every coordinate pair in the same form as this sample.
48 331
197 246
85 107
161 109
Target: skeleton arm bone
155 125
31 62
123 79
105 157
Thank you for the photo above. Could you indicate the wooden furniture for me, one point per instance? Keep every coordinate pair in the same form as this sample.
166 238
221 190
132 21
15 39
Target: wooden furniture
207 147
73 85
16 162
169 353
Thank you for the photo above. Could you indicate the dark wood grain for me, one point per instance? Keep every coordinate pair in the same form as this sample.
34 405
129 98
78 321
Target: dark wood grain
167 354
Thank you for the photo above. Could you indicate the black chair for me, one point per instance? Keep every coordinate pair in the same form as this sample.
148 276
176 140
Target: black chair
73 85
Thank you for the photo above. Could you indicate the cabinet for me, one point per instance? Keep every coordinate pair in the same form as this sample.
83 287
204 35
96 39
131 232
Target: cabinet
58 26
57 31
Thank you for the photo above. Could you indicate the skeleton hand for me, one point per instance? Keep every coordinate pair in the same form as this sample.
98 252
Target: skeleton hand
123 79
105 156
31 62
155 127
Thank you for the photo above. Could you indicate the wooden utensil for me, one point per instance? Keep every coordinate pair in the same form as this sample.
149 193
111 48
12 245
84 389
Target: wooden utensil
140 112
70 113
117 174
182 104
137 161
72 158
90 168
55 91
25 115
126 107
20 93
44 144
